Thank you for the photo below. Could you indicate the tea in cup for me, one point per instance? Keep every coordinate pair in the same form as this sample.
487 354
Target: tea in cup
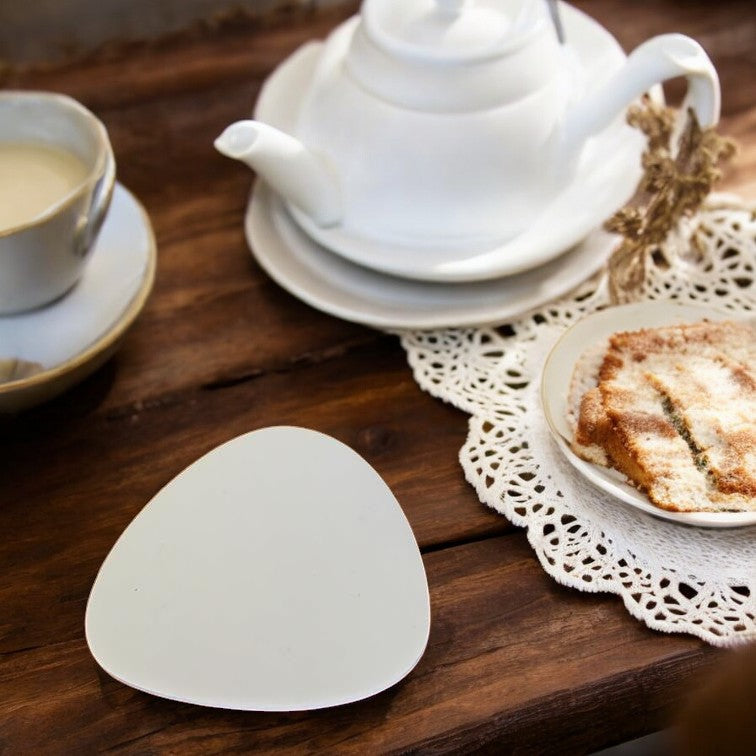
57 173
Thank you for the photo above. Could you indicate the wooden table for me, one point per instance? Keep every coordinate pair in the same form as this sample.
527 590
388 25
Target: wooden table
515 662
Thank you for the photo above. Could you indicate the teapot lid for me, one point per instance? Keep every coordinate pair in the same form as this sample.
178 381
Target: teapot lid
451 30
452 56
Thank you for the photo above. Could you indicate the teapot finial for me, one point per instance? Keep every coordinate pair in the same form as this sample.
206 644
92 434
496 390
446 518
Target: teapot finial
450 7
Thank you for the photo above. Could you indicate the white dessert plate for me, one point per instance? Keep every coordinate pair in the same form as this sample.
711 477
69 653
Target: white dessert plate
608 174
276 573
334 285
555 389
74 335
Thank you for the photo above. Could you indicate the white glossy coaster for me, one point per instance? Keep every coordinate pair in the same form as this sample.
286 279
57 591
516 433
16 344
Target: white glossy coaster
276 573
555 388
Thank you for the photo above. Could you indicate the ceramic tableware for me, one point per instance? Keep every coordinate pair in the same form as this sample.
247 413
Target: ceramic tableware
448 125
555 391
337 286
611 170
43 255
276 573
71 337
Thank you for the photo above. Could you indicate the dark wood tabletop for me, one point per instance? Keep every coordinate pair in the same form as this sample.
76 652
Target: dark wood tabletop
515 662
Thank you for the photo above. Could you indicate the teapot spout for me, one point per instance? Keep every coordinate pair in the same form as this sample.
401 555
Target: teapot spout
294 172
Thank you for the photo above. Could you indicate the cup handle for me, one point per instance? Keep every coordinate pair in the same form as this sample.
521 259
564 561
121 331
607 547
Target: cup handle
656 60
98 208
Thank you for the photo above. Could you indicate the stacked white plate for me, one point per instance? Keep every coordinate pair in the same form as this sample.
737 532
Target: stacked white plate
395 287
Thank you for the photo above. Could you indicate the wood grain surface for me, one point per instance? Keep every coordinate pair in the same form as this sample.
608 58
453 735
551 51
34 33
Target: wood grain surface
515 662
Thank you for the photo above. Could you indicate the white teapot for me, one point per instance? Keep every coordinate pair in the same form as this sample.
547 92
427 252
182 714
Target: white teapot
448 124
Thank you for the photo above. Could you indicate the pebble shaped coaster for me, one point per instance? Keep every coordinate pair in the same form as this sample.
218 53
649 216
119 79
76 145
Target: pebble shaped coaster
276 573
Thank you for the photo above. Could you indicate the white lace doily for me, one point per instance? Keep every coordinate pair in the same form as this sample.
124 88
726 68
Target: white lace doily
673 577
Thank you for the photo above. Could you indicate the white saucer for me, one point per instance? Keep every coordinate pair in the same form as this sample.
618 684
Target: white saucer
609 173
336 286
555 389
74 335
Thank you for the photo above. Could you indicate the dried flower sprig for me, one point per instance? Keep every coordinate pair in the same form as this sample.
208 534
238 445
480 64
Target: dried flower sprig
674 185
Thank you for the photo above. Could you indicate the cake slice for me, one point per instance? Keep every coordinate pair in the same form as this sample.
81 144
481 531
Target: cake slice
713 402
644 443
674 409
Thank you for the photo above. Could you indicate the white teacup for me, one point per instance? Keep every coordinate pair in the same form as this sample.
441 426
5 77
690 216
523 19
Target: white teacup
59 195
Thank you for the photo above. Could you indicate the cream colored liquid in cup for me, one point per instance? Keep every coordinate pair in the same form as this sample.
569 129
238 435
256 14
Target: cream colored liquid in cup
33 177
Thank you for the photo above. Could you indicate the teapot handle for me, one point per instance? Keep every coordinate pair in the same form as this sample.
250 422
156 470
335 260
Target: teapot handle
656 60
